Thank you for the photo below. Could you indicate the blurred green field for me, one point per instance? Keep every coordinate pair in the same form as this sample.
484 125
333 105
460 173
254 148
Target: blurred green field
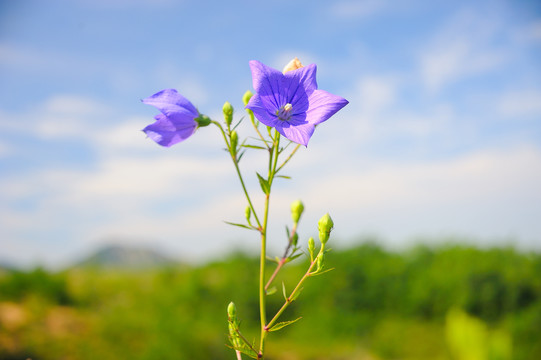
444 302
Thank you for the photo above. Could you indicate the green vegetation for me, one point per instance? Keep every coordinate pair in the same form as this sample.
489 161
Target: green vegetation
446 302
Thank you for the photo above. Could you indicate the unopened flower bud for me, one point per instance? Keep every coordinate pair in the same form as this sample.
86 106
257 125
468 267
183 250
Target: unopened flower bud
311 245
228 113
234 140
202 120
297 208
293 65
232 311
321 261
325 225
248 213
246 97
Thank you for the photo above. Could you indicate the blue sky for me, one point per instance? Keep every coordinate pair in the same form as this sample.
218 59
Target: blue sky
442 136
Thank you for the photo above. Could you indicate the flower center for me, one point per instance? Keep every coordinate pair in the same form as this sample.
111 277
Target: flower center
284 113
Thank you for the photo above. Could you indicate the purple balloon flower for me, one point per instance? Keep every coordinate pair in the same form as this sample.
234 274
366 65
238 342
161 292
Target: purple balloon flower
177 120
290 101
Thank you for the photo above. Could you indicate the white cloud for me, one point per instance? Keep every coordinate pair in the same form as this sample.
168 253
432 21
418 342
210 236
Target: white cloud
376 93
486 193
521 103
462 48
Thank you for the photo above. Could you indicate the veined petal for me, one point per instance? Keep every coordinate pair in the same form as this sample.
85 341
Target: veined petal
300 134
169 102
269 84
323 105
261 111
303 78
167 133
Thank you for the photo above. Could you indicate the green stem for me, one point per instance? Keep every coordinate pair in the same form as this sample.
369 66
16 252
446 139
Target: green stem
283 260
291 296
273 160
236 163
289 157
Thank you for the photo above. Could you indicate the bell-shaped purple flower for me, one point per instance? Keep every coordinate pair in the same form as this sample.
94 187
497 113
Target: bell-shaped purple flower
177 120
291 101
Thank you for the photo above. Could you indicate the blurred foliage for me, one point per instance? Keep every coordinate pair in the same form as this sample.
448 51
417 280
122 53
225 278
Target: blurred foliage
447 302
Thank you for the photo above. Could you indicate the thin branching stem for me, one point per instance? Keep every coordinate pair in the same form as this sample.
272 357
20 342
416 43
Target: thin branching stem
252 119
236 163
297 288
289 157
283 260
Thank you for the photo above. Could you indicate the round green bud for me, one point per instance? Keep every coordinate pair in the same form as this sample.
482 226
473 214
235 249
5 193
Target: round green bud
228 113
202 120
232 311
246 97
325 225
297 208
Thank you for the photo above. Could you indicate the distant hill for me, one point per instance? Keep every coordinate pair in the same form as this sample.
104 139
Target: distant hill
118 256
6 266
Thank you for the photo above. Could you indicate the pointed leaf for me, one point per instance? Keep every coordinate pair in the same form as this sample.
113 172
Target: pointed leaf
240 225
283 324
254 147
296 295
271 291
284 291
240 156
264 184
293 257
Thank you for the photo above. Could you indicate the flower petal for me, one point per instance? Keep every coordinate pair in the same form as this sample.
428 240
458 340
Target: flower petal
261 111
323 105
300 134
304 77
167 133
269 84
169 102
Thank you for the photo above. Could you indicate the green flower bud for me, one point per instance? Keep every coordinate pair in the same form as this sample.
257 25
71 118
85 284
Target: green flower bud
325 225
320 261
232 311
202 120
297 208
246 97
311 245
248 213
228 113
234 141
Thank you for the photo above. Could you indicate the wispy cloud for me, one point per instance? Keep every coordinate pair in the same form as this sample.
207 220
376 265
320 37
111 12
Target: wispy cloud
464 47
519 104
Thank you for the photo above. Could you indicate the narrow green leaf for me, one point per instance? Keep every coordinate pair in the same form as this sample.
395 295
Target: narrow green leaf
284 291
321 272
293 257
240 225
254 147
264 184
296 295
271 291
283 324
284 176
240 156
